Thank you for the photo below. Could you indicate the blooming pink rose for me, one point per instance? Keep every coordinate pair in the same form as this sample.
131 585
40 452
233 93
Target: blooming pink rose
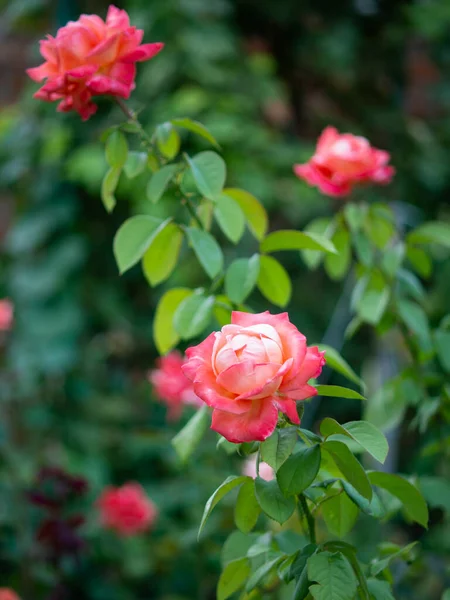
6 314
342 160
171 384
250 370
126 510
8 594
265 471
91 57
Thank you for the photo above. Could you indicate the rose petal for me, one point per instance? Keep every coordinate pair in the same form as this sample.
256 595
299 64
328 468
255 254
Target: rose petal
288 406
142 53
199 356
208 389
255 425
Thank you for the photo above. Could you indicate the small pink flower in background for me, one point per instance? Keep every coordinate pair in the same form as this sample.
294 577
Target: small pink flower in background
172 386
91 57
250 370
343 160
265 471
8 594
126 510
6 314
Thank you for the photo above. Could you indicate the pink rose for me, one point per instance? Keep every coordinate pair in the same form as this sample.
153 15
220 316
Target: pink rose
265 471
6 314
343 160
91 57
172 386
8 594
250 370
126 510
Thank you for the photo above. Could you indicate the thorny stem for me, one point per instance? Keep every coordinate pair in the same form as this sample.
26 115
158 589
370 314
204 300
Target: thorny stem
309 518
132 117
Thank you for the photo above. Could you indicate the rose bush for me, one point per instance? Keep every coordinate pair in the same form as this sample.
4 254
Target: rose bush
342 160
171 385
250 370
126 510
91 57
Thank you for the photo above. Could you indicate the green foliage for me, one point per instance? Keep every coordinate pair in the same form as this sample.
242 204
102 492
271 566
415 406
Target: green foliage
332 576
188 438
299 471
278 447
241 277
273 281
207 250
272 500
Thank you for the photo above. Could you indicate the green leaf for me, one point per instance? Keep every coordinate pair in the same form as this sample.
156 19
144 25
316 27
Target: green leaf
334 576
163 329
237 546
299 470
209 172
187 440
296 240
393 258
379 566
380 590
340 514
420 261
246 511
412 500
161 257
116 150
207 250
323 226
197 128
276 449
257 577
336 391
349 467
435 232
415 319
241 278
167 140
365 434
109 185
374 508
136 163
230 217
193 315
445 596
374 299
254 211
159 182
410 285
335 361
379 230
363 248
442 344
355 215
272 501
224 488
133 238
274 282
337 265
233 578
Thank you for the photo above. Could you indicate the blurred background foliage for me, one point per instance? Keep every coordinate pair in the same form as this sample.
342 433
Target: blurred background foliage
265 78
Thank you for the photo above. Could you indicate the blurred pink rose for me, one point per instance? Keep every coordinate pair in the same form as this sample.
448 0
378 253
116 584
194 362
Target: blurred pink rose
265 471
126 510
6 314
171 384
342 160
250 370
8 594
91 57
